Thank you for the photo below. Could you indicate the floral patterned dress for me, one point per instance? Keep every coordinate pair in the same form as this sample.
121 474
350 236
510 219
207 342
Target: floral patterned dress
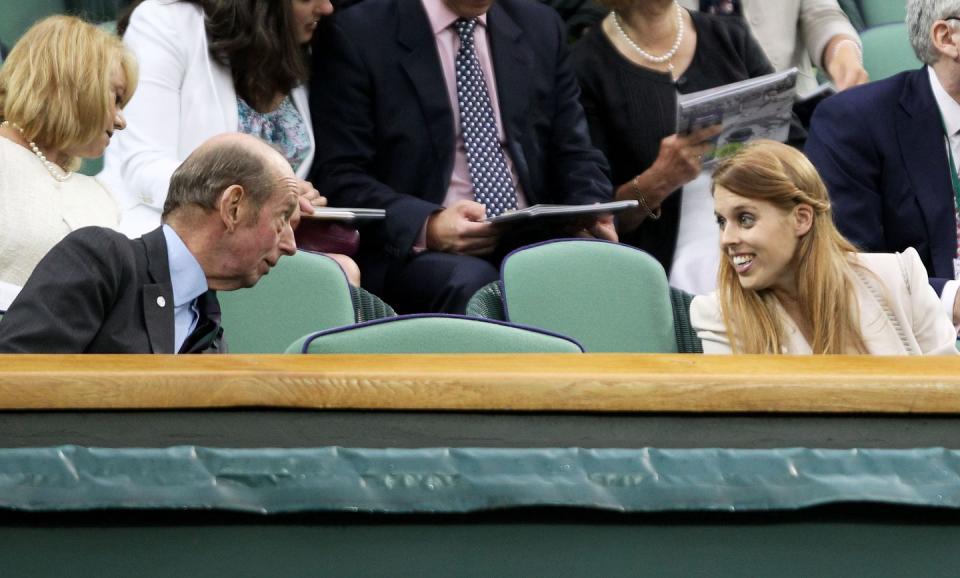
283 128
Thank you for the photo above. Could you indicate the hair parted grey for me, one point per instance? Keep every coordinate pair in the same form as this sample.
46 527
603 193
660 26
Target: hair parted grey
210 170
921 14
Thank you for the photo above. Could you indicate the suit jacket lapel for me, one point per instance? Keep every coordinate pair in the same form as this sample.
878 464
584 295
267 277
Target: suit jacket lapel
513 66
920 133
422 64
158 296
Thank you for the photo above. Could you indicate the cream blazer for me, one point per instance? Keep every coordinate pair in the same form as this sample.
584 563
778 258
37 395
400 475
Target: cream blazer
183 98
794 32
894 296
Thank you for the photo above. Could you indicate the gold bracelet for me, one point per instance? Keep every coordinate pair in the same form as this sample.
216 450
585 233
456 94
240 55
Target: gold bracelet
651 213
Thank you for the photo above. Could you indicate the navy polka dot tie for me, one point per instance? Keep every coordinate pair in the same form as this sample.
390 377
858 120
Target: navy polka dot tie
492 184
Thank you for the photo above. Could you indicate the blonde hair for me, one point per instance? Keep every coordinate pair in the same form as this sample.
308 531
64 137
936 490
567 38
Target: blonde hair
779 174
55 83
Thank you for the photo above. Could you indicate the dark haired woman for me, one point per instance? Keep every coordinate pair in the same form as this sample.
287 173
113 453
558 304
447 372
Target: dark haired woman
212 66
208 67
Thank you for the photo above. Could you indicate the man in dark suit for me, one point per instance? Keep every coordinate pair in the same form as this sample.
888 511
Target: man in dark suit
390 133
884 151
228 219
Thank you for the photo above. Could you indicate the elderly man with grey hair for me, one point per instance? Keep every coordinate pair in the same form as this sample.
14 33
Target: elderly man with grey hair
889 150
228 218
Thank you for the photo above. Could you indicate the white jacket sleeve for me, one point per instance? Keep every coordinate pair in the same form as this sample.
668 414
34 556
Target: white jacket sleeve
821 20
932 329
148 154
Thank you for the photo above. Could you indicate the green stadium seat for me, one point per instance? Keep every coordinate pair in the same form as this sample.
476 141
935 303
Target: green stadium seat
434 333
19 15
880 12
852 9
305 292
487 303
609 297
887 51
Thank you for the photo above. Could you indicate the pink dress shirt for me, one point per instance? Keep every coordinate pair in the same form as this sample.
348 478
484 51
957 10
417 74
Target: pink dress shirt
448 43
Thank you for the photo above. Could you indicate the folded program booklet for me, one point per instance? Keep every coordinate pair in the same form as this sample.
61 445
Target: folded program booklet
760 107
345 214
560 211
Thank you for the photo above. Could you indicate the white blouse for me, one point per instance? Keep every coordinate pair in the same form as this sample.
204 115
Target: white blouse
36 212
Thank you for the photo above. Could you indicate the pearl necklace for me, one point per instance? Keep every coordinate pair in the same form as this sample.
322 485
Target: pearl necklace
58 173
666 56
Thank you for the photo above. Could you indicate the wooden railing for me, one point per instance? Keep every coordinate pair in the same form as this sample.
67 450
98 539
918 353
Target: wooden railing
549 382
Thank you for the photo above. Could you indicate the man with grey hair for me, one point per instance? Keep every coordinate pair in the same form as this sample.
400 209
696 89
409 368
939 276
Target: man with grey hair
228 218
889 150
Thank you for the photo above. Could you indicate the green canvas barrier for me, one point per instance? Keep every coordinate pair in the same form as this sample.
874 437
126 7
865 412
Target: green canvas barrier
458 480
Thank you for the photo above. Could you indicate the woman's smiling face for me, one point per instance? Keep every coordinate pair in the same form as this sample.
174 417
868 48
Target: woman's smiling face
760 240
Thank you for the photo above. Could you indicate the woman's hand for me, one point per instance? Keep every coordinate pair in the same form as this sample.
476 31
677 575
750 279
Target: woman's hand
310 198
843 59
679 161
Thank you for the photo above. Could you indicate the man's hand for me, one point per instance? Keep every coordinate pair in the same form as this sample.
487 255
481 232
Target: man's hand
843 60
460 230
310 198
600 227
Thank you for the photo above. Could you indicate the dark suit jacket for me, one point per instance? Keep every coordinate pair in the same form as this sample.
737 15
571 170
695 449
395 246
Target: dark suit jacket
384 127
98 292
880 149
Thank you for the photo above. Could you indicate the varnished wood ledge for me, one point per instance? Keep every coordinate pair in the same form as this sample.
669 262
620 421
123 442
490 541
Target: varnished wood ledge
551 382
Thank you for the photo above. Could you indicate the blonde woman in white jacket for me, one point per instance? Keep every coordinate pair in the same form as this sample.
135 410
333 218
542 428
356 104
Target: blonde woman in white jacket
790 283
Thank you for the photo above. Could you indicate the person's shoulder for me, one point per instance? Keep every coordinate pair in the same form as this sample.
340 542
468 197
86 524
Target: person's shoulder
163 18
719 25
591 50
150 10
99 238
878 93
366 14
893 266
533 9
534 18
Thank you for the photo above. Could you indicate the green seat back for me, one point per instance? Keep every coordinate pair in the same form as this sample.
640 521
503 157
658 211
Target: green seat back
880 12
305 292
887 51
367 306
95 10
17 16
487 303
434 334
852 8
607 296
685 334
91 167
